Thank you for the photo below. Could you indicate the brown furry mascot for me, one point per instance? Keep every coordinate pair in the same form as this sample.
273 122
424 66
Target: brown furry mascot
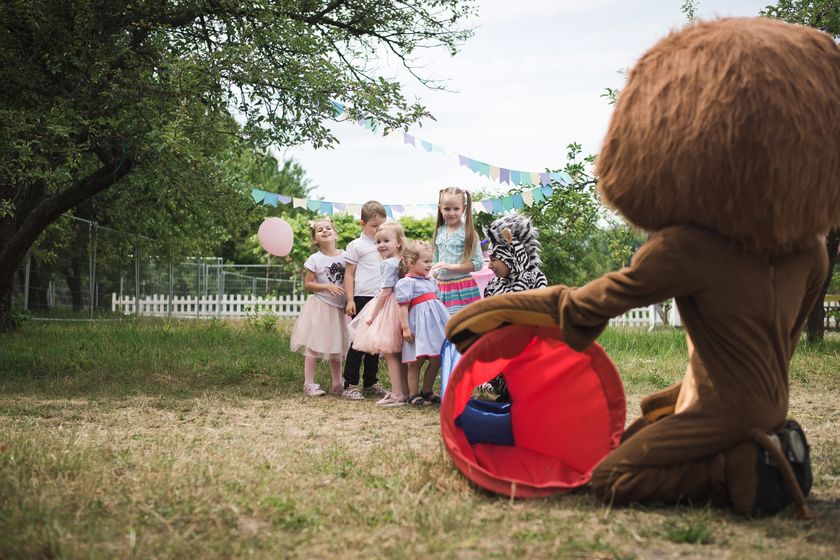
725 147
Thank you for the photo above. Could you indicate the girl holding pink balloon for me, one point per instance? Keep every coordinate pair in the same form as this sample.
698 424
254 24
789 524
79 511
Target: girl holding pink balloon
321 329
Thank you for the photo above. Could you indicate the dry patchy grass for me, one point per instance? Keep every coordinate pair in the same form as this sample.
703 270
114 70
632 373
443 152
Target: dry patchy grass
277 475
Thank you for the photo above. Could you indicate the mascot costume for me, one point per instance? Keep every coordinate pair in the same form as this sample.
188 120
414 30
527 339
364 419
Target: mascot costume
725 147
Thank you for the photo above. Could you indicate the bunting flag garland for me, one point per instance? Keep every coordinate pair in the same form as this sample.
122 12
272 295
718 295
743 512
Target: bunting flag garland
492 172
526 198
488 205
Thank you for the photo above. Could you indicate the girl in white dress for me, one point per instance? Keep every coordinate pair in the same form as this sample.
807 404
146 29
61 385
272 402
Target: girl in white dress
320 330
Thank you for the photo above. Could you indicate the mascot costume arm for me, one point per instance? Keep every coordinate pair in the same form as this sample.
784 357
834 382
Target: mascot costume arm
662 268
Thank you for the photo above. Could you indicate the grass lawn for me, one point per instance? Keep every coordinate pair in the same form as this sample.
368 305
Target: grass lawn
193 440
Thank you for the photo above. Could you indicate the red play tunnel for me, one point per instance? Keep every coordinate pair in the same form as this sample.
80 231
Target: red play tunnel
566 413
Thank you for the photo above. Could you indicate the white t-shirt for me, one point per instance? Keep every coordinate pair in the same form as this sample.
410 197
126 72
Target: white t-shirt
328 270
362 253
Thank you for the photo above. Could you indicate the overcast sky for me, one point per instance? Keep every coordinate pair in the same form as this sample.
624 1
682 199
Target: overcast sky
523 87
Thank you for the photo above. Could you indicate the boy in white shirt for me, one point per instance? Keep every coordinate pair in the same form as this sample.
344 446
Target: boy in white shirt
361 284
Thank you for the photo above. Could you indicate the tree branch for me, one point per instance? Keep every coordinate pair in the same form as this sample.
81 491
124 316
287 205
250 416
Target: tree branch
42 215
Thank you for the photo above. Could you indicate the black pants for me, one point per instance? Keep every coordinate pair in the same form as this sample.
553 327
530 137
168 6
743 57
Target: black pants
355 357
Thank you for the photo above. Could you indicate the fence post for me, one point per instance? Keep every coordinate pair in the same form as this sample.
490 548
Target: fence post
197 288
26 284
92 273
221 289
136 281
169 304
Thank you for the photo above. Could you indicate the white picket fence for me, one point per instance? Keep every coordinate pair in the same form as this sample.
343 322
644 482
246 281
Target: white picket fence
232 306
206 307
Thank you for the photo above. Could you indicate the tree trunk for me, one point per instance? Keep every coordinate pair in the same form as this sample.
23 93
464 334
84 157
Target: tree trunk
18 233
815 326
7 278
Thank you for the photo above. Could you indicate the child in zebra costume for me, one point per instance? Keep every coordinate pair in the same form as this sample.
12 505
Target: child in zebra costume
515 259
514 256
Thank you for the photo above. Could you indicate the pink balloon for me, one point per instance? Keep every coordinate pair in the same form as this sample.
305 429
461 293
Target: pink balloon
276 236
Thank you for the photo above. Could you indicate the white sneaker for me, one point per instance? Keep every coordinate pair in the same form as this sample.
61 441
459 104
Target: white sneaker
352 392
313 390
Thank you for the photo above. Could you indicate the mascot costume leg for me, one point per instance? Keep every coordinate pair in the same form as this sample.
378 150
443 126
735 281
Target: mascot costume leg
725 147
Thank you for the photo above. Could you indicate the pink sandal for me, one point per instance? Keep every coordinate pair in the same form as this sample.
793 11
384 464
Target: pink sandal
389 400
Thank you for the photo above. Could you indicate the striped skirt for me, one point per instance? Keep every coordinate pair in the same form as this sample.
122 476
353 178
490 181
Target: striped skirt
458 292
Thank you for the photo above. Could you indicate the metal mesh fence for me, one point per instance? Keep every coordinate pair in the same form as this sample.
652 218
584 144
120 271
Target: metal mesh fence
87 271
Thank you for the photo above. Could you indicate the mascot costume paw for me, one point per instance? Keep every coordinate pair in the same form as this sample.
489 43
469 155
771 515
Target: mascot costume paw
725 147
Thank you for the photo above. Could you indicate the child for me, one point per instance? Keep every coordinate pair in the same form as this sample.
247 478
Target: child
515 260
457 251
321 330
514 256
423 319
377 328
361 283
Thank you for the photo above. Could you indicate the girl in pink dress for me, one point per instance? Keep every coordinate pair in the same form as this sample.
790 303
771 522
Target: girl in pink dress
376 329
321 331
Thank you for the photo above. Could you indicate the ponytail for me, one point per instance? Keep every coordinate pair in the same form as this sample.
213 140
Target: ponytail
470 237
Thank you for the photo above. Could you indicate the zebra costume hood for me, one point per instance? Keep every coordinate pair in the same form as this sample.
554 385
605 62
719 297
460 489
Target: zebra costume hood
514 241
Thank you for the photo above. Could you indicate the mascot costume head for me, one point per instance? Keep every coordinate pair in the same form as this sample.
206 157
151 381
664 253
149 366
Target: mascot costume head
725 147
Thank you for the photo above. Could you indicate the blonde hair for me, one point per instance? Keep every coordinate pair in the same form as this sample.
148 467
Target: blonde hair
412 251
398 232
314 223
470 237
371 209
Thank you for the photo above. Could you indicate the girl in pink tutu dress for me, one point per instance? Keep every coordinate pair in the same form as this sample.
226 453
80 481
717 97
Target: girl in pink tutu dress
376 329
321 330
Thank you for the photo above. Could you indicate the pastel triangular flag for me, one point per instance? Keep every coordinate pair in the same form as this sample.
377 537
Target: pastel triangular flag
538 195
409 139
517 201
504 175
355 210
338 108
314 205
507 202
270 199
298 203
488 206
497 206
258 195
284 199
514 177
484 169
494 172
527 198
